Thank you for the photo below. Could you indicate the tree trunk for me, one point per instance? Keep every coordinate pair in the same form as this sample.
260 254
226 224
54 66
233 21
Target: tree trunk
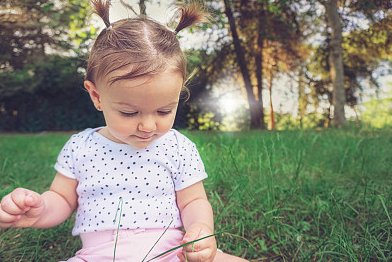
302 98
336 62
259 62
271 123
142 7
256 114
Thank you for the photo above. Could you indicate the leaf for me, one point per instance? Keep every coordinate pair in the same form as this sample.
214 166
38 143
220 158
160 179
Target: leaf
48 7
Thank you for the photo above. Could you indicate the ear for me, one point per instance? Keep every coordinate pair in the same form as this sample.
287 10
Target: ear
94 94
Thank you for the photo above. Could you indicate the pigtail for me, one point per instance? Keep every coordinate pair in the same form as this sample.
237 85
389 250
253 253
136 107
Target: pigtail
190 14
102 9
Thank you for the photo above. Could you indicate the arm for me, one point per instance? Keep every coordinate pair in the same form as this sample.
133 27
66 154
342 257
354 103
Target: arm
191 201
60 202
197 218
26 208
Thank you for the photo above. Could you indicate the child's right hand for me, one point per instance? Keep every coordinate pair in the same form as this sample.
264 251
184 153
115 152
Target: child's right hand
21 208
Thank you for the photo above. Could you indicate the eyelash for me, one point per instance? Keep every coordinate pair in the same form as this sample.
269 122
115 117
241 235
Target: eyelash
135 113
164 112
128 114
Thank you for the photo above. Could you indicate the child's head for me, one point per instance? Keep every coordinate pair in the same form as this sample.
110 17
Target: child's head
140 44
135 74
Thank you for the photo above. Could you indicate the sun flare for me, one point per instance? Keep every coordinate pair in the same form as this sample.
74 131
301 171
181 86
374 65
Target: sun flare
228 104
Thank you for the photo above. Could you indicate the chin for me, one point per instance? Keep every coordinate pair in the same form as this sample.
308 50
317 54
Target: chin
141 145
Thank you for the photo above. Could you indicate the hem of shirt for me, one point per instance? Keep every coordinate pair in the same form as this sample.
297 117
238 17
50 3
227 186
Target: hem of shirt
75 233
191 182
64 171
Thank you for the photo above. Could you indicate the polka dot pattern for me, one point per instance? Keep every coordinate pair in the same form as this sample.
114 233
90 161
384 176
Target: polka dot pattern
146 180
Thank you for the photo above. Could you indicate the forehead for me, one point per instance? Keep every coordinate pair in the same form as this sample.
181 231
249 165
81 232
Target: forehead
153 90
122 67
132 76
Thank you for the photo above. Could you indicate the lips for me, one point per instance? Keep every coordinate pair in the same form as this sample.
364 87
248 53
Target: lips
144 138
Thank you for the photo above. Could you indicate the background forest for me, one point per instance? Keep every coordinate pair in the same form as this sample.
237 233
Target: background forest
258 64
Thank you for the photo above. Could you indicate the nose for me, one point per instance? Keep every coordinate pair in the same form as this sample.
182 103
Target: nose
147 124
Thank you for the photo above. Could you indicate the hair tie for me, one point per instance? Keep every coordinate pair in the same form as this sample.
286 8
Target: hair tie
109 27
175 32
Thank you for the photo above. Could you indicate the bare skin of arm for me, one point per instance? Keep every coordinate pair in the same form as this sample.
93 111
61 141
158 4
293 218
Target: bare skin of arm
26 208
197 218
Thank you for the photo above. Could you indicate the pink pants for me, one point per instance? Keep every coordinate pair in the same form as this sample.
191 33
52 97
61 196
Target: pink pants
132 245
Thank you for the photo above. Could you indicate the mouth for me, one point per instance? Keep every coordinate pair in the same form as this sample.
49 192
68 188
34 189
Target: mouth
144 137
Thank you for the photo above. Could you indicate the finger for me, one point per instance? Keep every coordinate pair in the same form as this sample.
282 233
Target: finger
205 255
34 199
191 234
9 206
18 197
25 198
6 225
8 218
208 242
196 246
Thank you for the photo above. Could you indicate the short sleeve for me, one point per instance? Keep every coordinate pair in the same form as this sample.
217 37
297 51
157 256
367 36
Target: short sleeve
191 168
65 160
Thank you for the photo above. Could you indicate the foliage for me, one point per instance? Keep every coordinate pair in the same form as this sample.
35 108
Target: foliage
250 36
366 43
48 95
377 113
365 49
30 29
308 121
201 121
42 50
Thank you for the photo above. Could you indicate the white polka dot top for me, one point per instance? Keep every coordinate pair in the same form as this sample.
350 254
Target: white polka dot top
145 179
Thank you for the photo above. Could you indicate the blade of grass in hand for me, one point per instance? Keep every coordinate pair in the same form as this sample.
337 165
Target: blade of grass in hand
191 242
158 240
118 227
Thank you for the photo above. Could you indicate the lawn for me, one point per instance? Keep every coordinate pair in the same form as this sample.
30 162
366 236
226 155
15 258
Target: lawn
277 196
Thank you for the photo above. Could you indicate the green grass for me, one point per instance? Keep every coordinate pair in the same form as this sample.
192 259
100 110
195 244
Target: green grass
278 196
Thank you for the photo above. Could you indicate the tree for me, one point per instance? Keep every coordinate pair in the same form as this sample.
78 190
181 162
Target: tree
43 45
363 47
255 29
31 29
336 61
142 7
256 113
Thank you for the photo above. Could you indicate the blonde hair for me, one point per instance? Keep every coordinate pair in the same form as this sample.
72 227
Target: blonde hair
140 44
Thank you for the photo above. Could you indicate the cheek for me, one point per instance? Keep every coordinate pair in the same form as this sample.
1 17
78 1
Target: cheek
118 124
166 124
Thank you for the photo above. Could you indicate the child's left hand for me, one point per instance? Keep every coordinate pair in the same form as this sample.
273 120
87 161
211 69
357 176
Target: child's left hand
203 250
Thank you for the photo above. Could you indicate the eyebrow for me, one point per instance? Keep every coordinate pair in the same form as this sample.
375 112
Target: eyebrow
127 104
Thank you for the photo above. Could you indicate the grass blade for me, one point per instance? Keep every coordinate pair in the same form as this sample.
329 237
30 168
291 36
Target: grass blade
118 227
385 208
157 240
191 242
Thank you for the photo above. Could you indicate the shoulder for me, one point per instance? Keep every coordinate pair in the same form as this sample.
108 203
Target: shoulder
175 142
83 135
181 139
78 139
185 147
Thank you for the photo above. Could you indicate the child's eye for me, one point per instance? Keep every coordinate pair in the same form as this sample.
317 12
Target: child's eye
128 114
164 112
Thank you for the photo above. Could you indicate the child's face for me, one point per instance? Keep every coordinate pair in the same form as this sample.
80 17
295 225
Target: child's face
137 111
